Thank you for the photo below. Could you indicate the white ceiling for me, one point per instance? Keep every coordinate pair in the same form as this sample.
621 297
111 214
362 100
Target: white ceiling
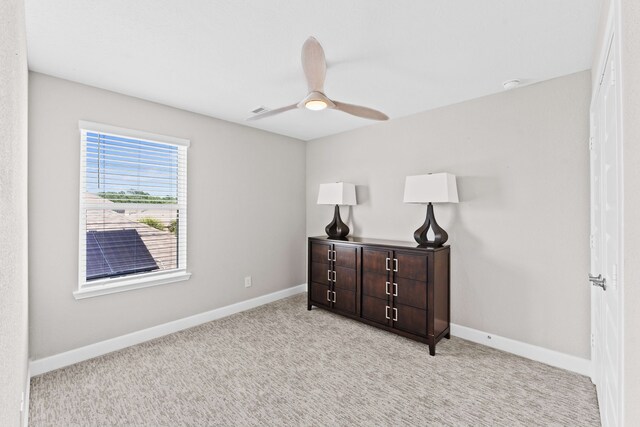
224 58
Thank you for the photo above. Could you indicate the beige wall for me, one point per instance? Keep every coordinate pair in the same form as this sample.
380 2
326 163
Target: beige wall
630 70
13 208
246 215
519 237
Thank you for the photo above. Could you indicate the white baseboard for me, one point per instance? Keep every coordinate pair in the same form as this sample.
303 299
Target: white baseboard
47 364
539 354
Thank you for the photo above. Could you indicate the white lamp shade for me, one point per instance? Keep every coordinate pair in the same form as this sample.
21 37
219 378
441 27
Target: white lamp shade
431 188
337 193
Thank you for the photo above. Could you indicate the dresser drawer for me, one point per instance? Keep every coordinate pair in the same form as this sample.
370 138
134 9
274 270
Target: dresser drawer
345 300
376 260
410 319
410 292
321 253
345 278
375 309
321 273
410 266
320 294
374 284
345 256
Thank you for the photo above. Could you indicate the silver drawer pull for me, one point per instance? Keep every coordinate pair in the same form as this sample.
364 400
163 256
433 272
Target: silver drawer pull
395 289
334 276
386 288
386 264
395 264
395 314
334 255
329 275
329 254
334 297
386 312
329 296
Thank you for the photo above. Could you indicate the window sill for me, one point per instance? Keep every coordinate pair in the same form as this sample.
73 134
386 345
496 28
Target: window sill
112 286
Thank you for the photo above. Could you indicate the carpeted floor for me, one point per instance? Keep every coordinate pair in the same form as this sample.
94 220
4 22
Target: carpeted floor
280 365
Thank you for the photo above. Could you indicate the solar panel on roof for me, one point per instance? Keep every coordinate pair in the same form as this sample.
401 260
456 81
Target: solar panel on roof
116 253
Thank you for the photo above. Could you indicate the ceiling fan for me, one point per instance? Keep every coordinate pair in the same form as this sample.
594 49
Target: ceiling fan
315 68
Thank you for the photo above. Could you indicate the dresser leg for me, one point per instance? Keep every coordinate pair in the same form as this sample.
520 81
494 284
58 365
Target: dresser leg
309 307
432 349
448 336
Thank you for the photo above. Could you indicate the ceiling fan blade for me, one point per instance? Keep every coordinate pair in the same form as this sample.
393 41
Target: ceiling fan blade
357 110
314 64
272 112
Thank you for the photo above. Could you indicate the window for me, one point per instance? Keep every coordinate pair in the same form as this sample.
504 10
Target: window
133 210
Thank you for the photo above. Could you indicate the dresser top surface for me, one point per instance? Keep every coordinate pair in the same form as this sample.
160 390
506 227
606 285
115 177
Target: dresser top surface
377 242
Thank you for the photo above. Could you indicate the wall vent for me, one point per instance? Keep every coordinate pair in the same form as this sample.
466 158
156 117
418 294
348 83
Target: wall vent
259 110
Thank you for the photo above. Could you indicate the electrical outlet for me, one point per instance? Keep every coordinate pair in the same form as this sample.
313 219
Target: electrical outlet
247 282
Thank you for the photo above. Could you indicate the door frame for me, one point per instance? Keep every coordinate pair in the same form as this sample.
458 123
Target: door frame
612 44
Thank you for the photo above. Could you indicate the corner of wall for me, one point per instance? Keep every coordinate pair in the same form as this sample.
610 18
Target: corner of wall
13 204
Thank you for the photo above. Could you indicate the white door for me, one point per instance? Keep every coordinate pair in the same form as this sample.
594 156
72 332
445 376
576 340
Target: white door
605 245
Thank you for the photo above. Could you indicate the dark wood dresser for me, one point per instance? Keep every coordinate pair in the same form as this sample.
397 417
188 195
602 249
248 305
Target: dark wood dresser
397 286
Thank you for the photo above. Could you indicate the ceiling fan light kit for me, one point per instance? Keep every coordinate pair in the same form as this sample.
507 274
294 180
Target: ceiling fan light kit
315 69
315 105
316 101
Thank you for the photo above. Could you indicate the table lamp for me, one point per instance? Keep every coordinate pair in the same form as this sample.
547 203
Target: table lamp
431 188
337 193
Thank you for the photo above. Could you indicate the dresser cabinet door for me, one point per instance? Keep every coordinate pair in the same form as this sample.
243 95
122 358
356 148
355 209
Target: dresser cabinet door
375 272
375 275
409 292
333 276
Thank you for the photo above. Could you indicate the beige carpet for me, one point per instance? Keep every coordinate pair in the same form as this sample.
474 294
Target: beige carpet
280 365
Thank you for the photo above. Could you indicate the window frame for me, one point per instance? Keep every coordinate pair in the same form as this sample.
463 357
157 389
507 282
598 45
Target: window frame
111 285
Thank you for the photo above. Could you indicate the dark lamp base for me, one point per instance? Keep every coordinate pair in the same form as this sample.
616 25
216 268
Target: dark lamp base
336 228
440 236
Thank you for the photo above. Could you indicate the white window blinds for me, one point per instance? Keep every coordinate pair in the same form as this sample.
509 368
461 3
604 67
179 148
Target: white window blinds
133 205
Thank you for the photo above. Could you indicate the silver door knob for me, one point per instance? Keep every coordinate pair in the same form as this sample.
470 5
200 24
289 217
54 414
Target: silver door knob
598 281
